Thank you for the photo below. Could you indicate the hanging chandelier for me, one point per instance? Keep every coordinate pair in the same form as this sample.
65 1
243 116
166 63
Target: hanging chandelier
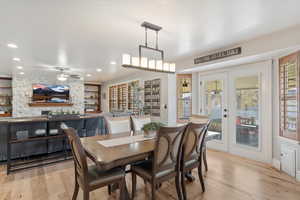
144 63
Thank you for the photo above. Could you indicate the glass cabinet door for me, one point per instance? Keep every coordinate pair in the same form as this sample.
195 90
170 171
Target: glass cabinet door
288 78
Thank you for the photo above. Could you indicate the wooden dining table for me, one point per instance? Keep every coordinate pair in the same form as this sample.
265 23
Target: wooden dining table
109 157
120 155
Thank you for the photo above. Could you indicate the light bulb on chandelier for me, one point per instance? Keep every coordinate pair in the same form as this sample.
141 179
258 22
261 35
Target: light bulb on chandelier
145 64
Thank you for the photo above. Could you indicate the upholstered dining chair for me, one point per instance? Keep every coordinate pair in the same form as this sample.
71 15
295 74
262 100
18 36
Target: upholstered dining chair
89 178
193 151
201 119
118 124
139 121
164 164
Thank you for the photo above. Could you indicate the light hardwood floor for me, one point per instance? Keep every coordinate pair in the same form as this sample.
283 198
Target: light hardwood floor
229 178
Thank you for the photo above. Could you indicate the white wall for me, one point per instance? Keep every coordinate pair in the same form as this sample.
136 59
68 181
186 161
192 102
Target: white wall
195 93
278 40
22 92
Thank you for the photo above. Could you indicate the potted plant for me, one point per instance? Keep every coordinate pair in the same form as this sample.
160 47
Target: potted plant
150 129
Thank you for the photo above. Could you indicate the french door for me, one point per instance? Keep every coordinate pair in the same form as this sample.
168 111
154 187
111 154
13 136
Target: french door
214 104
238 104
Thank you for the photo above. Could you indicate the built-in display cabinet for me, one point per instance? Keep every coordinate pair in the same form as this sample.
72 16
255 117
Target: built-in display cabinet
289 96
124 97
152 97
5 97
92 98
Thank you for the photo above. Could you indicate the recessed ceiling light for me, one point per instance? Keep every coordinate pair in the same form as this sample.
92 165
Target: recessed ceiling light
17 59
12 45
113 62
99 70
88 75
21 73
19 67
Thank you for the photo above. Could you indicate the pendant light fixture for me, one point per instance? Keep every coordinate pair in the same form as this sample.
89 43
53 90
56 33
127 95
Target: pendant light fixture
143 63
185 83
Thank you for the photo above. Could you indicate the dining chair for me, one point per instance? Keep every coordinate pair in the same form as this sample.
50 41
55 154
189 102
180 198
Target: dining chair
89 178
139 121
192 152
201 119
164 163
118 124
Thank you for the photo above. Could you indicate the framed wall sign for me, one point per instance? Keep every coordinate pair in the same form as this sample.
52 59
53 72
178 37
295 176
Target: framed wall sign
218 55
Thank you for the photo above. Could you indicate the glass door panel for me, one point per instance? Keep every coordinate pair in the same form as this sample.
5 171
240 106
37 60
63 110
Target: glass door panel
184 96
247 110
213 105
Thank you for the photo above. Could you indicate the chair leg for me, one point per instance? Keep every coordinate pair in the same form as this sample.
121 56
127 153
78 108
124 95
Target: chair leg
183 186
200 173
86 195
133 185
122 185
205 160
153 187
76 189
109 189
178 188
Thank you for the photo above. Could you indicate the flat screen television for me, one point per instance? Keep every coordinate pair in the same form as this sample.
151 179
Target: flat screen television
50 93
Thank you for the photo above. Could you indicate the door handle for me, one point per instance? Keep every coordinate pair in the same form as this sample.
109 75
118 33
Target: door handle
225 116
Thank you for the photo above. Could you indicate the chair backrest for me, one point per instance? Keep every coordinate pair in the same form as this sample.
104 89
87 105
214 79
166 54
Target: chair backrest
79 156
168 148
139 121
194 140
118 124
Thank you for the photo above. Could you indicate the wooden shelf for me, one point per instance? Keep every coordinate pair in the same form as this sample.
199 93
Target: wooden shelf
92 97
6 95
6 115
50 104
5 105
91 91
91 112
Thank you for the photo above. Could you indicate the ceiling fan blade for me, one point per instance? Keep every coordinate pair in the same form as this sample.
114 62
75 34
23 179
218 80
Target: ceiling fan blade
75 76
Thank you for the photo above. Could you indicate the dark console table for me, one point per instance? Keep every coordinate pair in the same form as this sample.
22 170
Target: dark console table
37 141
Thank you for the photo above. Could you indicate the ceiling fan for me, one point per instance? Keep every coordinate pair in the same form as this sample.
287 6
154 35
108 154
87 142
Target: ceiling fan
63 73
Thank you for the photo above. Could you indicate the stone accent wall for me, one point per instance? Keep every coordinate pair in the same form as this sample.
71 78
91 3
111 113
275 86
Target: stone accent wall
22 93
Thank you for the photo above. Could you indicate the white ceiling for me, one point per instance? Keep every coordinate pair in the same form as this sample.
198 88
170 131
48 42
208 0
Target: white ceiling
89 34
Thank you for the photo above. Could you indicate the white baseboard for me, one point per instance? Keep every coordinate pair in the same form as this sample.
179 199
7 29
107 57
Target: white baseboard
298 175
276 163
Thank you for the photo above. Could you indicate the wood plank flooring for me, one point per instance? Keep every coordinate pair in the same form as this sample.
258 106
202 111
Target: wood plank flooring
229 178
